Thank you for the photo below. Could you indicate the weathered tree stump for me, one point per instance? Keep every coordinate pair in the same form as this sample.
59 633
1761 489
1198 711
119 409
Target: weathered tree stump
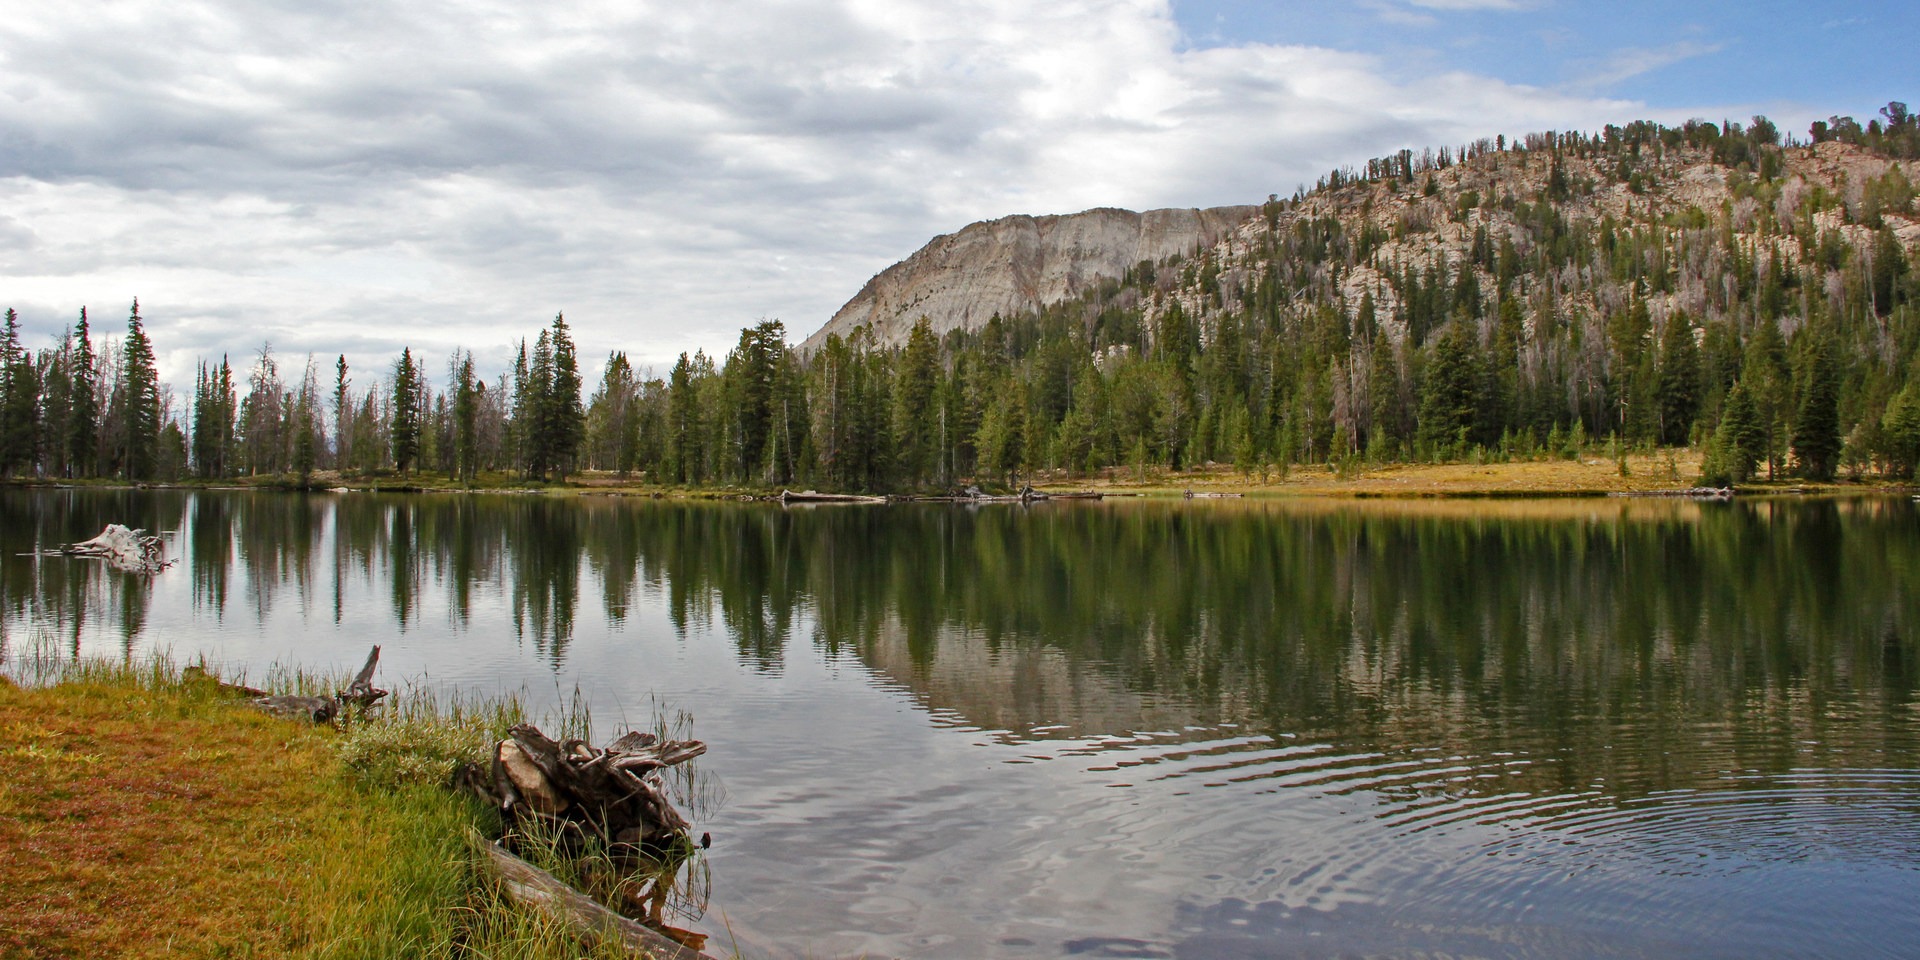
132 551
575 799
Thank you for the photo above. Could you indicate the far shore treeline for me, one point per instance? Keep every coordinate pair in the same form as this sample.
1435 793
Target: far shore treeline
1776 331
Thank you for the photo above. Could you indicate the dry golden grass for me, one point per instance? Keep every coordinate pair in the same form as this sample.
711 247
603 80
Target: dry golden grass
137 823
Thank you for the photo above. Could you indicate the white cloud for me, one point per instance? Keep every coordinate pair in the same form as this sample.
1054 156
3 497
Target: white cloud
1625 64
355 177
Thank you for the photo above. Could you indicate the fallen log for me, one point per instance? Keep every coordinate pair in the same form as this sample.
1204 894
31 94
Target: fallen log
291 707
530 886
360 693
1190 495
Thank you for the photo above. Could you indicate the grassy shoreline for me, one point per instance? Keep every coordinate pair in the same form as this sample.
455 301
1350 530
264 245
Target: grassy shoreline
1596 473
145 813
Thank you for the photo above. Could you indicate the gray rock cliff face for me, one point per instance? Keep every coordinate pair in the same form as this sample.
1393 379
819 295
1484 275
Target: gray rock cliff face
1017 263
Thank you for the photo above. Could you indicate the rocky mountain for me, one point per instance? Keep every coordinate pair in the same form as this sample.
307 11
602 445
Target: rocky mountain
1017 264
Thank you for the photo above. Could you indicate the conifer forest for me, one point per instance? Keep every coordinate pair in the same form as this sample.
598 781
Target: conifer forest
1718 286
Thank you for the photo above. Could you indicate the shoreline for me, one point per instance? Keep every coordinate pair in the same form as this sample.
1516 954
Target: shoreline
1661 473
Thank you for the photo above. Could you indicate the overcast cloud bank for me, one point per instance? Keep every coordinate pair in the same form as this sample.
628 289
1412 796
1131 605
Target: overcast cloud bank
357 177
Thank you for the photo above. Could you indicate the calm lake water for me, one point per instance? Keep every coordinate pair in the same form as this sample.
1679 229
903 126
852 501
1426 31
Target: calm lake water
1595 728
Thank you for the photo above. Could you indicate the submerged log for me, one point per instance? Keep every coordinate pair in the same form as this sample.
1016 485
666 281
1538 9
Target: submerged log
530 886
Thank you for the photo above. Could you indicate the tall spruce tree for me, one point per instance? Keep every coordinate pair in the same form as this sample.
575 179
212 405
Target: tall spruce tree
83 413
404 432
466 419
564 417
1679 380
538 440
683 423
1816 427
342 415
914 421
1450 395
139 397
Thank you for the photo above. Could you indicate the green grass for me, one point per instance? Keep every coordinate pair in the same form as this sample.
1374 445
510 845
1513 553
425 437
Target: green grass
143 814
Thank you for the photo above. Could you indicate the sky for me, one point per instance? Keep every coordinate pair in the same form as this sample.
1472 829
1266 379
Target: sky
334 177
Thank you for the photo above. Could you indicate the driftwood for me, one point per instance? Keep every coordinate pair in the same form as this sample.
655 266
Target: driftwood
1691 493
131 551
814 496
578 799
1190 495
1027 494
530 886
361 693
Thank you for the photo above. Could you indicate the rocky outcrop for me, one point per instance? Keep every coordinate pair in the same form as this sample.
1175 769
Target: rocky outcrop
1017 263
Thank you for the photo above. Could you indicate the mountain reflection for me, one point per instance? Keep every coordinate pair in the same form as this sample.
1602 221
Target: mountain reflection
1537 628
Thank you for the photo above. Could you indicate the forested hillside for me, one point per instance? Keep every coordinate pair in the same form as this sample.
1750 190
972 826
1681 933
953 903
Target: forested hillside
1716 285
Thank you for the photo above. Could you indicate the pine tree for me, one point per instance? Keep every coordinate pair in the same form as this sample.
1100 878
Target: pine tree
1764 370
683 422
565 419
82 437
609 414
138 394
304 422
1816 427
466 417
263 416
749 375
19 402
538 441
405 421
913 398
1739 442
202 416
1900 431
342 415
1679 381
520 410
213 420
1450 395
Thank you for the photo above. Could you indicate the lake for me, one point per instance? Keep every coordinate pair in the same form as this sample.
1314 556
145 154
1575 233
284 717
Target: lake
1142 728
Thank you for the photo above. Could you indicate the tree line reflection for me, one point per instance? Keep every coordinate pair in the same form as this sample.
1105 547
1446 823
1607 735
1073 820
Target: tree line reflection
1507 625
